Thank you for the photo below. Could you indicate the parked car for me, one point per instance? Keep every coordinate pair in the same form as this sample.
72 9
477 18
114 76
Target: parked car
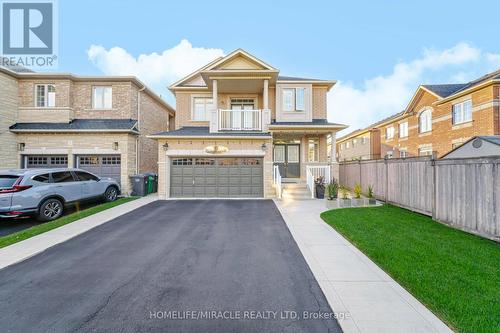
45 193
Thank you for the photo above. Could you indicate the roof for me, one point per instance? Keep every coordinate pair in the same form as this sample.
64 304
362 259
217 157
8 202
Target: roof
369 127
444 90
85 125
314 122
493 139
294 78
10 65
203 131
490 76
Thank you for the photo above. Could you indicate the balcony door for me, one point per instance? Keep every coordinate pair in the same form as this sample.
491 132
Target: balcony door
287 158
242 119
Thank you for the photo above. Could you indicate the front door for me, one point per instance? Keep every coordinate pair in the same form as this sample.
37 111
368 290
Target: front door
287 158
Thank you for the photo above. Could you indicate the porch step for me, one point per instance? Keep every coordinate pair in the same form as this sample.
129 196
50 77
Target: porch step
296 191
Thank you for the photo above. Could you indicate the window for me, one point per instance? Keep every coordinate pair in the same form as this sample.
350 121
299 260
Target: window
201 105
364 140
389 154
7 181
342 146
182 161
313 150
45 95
44 178
347 145
403 153
102 97
354 142
85 176
425 121
389 133
403 130
62 177
425 151
462 112
294 99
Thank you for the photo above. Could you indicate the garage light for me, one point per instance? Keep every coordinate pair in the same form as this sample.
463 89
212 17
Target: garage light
263 147
115 145
165 146
21 146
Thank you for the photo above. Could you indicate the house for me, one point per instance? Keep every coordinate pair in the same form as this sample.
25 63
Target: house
240 126
97 123
478 146
442 117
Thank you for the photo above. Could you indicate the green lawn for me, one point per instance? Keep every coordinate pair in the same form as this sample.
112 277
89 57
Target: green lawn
455 274
44 227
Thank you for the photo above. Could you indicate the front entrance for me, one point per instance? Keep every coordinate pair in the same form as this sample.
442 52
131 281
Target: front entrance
287 158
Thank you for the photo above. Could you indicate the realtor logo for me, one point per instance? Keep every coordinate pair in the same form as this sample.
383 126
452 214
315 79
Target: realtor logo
29 28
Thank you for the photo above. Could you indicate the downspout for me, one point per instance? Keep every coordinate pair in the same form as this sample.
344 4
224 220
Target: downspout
138 128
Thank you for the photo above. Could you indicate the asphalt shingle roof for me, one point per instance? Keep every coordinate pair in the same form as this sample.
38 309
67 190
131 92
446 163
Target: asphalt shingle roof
205 131
80 124
302 123
293 78
444 90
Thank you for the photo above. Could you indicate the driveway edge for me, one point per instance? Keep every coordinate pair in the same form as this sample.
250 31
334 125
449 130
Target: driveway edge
27 248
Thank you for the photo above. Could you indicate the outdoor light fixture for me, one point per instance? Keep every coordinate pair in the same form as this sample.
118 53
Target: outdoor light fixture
21 146
115 145
264 147
165 146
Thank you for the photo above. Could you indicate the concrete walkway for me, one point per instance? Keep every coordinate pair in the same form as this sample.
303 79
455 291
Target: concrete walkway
27 248
353 285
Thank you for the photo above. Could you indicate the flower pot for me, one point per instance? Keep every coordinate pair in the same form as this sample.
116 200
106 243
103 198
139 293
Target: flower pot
372 201
320 191
332 203
357 202
345 202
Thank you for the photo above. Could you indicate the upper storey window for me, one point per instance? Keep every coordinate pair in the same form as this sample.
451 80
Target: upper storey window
45 95
102 97
201 106
425 121
403 130
389 132
462 112
294 99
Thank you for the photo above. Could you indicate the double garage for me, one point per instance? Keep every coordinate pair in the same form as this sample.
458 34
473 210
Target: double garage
223 177
101 165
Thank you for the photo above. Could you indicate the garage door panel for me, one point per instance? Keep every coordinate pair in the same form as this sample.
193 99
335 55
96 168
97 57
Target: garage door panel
46 161
216 177
101 165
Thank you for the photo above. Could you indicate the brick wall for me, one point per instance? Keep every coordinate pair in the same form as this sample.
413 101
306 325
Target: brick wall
8 109
319 102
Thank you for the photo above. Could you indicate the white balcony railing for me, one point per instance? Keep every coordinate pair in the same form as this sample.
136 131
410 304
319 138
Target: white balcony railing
240 120
277 181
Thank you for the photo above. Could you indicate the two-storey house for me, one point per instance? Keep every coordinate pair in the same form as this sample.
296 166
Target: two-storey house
240 128
96 123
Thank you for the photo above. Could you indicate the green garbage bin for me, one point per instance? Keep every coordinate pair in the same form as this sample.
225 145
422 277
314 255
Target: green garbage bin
150 184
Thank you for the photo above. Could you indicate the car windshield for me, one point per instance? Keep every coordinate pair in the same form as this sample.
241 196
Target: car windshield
6 181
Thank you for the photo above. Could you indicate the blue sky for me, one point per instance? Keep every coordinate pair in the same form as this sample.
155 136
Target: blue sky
379 51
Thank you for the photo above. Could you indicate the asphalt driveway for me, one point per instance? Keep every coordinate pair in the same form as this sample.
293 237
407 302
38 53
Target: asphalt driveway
170 266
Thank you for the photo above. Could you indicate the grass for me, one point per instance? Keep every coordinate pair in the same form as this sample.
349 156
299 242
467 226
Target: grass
455 274
44 227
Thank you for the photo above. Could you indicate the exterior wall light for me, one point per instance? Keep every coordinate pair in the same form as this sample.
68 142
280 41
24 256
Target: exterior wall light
165 146
21 146
264 147
115 145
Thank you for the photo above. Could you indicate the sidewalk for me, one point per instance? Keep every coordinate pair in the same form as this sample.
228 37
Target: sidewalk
27 248
351 282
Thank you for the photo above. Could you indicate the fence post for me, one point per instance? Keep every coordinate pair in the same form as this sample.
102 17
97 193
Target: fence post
386 194
434 184
359 167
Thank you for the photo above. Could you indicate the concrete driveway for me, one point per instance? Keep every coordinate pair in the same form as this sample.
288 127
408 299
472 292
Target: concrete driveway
177 266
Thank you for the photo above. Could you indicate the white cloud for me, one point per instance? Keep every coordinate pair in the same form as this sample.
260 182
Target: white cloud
157 70
383 96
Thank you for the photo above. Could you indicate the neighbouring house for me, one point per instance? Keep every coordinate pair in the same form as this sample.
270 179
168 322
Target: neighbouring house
478 146
438 119
240 127
96 123
442 117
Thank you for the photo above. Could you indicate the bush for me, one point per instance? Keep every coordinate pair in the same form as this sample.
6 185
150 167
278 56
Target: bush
357 191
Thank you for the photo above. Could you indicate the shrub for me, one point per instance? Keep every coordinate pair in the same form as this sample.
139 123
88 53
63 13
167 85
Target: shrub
357 191
370 191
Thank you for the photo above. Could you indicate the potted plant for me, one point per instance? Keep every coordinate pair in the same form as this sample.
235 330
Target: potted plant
371 198
319 187
332 189
346 202
357 195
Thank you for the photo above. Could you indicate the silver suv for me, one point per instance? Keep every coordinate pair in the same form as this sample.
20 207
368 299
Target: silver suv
45 192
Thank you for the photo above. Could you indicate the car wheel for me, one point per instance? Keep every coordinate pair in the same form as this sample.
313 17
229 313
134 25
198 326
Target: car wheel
50 209
111 194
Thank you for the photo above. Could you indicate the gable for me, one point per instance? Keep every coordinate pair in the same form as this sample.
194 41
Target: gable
240 62
196 81
420 100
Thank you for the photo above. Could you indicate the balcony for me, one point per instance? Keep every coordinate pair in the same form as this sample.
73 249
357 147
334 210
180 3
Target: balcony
222 120
240 120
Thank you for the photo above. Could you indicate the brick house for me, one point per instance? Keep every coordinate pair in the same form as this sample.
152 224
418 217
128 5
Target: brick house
97 123
240 126
438 119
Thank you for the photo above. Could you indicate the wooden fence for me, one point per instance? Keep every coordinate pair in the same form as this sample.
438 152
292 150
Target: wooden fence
463 193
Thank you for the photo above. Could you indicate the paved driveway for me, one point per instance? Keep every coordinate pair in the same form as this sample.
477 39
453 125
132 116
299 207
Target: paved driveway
165 259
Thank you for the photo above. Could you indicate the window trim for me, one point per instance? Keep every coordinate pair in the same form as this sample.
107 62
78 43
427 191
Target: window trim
407 130
461 104
294 99
207 115
426 111
94 106
46 93
315 142
393 130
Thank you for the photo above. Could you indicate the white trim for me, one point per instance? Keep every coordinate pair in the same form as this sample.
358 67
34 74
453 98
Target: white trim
211 137
93 102
207 110
203 153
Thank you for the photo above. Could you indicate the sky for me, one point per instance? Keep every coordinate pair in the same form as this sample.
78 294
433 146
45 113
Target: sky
378 51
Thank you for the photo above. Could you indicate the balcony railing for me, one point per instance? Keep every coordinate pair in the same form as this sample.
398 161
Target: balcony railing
240 120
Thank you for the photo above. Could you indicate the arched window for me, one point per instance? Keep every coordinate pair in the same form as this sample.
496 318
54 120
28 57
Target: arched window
425 121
